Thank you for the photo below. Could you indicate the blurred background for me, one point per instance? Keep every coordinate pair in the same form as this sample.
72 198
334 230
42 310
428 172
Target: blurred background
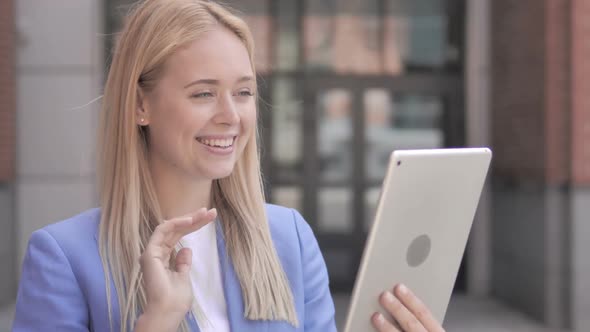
344 82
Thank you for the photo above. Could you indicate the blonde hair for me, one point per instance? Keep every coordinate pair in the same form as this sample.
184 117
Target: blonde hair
155 29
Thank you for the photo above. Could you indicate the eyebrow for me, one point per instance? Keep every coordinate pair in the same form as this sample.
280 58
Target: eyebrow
211 81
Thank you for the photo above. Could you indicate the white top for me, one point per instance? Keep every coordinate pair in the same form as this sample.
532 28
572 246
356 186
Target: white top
206 278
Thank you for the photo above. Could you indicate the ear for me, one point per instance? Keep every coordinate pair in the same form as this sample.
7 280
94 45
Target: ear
142 116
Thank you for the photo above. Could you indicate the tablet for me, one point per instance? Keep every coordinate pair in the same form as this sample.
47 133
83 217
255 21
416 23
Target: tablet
424 215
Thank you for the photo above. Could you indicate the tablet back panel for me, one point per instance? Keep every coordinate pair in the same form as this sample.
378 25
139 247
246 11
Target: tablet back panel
427 205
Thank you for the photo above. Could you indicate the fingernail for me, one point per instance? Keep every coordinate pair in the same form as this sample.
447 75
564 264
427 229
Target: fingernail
403 290
380 319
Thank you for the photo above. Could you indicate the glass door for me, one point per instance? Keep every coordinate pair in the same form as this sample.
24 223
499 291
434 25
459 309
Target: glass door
367 77
342 83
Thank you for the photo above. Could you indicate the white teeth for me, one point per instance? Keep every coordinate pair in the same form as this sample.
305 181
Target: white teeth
223 143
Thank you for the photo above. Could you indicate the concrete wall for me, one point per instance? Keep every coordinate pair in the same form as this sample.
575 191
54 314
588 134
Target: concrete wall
59 69
540 253
7 244
580 205
518 247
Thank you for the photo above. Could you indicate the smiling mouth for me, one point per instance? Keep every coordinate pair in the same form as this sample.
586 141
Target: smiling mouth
223 143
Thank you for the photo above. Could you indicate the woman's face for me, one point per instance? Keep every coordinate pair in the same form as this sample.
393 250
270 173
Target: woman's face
202 111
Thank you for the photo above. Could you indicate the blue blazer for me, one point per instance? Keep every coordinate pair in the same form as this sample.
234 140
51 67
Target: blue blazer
62 286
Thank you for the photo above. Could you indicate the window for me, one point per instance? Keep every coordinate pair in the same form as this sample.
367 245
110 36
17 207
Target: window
342 83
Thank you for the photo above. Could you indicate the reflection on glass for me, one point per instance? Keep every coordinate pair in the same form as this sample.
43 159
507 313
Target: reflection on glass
286 127
261 27
288 35
318 34
335 210
289 196
399 122
371 201
116 11
415 34
338 263
335 135
256 13
343 36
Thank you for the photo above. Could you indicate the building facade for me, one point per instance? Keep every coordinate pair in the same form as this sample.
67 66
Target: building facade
342 84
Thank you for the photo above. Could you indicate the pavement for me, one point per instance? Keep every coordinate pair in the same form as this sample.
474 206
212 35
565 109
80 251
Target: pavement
465 314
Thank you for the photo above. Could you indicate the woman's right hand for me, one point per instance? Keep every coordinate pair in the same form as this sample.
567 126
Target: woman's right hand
168 288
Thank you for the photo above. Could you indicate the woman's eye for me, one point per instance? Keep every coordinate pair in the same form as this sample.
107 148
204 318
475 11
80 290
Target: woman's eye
246 93
202 95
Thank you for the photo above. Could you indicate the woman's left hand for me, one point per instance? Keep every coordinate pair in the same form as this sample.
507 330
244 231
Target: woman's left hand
410 314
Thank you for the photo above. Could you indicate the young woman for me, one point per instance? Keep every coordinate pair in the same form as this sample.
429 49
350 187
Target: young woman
183 238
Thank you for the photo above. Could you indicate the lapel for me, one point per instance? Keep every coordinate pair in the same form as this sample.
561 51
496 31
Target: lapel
231 289
233 292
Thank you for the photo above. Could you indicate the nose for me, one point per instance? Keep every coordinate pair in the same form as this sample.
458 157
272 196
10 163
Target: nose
227 111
